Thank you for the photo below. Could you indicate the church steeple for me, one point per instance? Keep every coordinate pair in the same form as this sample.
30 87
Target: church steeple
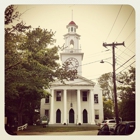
72 38
72 51
72 27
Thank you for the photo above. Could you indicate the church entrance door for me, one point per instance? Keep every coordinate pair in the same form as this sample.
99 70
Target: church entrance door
58 116
71 116
85 120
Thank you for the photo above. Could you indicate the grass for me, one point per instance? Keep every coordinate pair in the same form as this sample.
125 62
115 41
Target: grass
58 128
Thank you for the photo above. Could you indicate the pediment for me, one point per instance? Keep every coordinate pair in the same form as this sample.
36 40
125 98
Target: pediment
79 81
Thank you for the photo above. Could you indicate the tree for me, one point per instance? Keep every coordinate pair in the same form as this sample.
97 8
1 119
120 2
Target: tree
107 108
30 65
106 83
127 94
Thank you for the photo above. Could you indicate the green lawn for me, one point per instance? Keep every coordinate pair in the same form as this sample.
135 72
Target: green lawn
59 128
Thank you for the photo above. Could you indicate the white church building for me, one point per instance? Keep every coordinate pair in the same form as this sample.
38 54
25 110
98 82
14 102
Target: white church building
78 101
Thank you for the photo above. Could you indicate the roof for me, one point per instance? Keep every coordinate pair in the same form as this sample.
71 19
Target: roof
81 81
72 23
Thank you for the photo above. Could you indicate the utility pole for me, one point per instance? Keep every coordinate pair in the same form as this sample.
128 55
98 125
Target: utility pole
113 45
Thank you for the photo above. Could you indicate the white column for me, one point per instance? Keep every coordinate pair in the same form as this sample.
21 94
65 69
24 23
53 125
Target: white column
79 106
65 106
52 107
92 107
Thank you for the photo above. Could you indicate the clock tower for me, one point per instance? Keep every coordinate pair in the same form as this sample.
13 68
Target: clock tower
72 51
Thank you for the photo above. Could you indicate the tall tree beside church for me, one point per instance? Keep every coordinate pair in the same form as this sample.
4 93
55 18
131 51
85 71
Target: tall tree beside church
106 84
127 94
107 108
30 65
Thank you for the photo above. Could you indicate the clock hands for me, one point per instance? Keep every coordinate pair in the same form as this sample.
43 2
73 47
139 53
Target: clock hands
72 63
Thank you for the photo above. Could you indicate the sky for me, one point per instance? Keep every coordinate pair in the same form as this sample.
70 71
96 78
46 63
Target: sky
96 24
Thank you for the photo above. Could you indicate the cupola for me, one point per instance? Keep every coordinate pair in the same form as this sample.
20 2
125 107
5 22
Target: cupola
72 27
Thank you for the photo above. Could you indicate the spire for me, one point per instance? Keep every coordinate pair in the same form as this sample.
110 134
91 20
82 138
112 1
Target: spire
72 15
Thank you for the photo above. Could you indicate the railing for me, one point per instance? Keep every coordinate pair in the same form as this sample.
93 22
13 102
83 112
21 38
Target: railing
22 127
72 50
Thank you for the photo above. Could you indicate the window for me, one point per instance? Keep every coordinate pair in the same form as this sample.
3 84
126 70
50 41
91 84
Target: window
96 114
112 121
71 29
47 113
47 99
71 47
95 98
58 96
72 42
85 96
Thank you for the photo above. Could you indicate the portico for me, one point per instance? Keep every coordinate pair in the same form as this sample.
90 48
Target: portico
75 105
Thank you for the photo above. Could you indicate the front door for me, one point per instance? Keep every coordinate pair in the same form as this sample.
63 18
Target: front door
58 116
84 116
71 116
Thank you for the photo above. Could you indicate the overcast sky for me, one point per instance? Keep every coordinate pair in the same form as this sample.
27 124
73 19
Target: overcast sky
96 24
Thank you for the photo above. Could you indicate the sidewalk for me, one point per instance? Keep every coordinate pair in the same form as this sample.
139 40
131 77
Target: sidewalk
93 132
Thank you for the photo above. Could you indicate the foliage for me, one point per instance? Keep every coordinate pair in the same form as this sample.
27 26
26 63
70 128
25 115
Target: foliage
127 95
127 110
9 16
30 65
127 89
105 82
107 108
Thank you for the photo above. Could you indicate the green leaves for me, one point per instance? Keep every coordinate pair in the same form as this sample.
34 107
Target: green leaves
106 83
30 64
108 108
127 89
10 15
127 110
127 95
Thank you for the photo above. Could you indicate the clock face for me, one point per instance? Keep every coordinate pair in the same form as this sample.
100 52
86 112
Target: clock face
72 63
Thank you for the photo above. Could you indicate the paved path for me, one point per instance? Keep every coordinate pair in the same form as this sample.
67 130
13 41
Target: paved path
93 132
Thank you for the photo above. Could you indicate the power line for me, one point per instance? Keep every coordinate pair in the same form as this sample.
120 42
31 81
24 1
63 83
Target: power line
127 48
99 74
130 43
130 34
125 62
124 24
126 67
125 53
114 22
94 61
93 55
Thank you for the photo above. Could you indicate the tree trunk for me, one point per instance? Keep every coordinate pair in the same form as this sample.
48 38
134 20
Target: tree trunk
20 112
19 118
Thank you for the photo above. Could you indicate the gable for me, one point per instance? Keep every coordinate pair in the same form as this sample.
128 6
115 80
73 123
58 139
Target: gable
79 81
